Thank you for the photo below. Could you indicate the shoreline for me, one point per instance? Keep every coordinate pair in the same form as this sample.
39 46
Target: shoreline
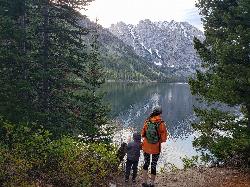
195 177
143 82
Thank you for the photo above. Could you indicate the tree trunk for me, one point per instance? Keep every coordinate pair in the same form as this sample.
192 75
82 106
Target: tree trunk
248 116
23 94
23 26
23 43
45 88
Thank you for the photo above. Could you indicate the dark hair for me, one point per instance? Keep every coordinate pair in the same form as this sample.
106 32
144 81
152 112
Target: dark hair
156 111
137 136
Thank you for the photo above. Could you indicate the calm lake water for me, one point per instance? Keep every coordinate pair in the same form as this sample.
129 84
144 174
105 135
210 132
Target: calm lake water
132 103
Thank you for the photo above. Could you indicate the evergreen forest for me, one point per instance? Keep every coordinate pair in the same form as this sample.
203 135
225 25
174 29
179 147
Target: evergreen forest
55 128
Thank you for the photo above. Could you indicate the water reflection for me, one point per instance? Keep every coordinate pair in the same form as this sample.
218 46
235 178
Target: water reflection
132 104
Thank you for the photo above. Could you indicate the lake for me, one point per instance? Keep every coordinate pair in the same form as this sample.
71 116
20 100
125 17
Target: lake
132 103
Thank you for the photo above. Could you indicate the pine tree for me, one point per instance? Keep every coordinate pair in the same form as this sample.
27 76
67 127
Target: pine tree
59 62
226 76
15 88
60 56
44 66
94 112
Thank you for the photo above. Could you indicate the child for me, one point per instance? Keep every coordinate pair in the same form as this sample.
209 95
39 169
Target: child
121 152
133 155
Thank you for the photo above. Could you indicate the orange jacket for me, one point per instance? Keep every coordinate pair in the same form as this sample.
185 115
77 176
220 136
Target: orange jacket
154 148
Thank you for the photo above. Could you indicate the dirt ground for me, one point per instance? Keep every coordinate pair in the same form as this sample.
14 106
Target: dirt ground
197 177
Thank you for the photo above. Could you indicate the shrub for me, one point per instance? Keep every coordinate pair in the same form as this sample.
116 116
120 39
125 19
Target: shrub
28 156
81 164
190 162
223 138
169 167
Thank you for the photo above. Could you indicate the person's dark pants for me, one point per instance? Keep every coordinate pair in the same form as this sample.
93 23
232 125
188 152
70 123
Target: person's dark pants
155 158
130 164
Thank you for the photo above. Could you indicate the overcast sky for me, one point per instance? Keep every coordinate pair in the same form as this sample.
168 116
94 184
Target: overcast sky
132 11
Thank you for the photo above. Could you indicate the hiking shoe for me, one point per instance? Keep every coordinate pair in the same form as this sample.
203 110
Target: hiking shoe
133 181
144 185
151 185
126 180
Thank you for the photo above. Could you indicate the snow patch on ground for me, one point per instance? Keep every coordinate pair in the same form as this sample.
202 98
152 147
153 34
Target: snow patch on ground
158 63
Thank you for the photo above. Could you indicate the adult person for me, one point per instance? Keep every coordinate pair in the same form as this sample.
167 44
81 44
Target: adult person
154 132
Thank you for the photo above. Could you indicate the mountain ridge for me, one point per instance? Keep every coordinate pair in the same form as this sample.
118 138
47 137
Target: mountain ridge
149 51
165 44
119 60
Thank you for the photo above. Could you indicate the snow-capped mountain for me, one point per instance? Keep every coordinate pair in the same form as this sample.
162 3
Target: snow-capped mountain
120 61
167 45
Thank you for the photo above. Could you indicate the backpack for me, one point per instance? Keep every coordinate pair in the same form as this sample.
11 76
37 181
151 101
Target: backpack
152 133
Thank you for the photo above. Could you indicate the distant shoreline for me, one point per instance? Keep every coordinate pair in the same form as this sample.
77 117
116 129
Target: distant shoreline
132 81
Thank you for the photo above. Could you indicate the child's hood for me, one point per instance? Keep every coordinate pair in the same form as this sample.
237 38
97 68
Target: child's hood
137 137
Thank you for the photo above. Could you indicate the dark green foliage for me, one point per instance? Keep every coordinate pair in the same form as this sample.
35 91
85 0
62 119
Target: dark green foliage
49 95
30 158
223 135
15 89
124 65
45 64
225 52
226 78
92 111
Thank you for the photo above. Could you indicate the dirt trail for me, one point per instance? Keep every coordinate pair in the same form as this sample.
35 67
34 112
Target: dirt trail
198 177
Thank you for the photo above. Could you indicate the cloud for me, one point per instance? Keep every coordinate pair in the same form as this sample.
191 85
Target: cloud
192 16
132 11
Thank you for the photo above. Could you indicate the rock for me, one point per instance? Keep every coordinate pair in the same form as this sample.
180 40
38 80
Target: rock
175 179
168 45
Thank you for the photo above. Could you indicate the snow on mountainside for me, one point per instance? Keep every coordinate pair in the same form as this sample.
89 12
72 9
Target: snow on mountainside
120 61
168 45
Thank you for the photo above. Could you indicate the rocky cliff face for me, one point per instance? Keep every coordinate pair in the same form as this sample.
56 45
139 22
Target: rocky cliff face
120 60
167 45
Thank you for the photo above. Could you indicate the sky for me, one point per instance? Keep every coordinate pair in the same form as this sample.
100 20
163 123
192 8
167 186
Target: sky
132 11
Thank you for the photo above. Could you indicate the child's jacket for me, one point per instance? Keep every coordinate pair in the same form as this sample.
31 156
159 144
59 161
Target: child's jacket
134 147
